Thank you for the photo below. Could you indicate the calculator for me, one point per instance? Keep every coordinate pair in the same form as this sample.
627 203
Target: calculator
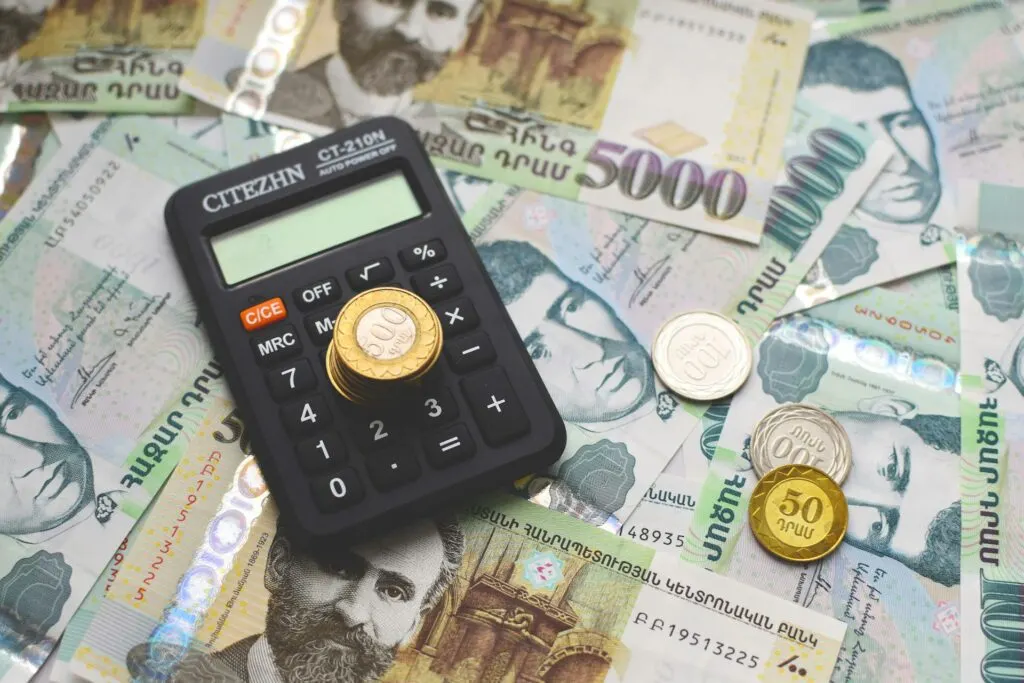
271 252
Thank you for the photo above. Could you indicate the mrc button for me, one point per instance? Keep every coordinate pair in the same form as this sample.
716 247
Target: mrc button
262 314
276 344
317 293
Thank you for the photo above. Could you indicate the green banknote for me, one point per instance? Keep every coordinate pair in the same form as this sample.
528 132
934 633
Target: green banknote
213 590
89 307
944 82
619 277
895 579
573 105
122 56
990 267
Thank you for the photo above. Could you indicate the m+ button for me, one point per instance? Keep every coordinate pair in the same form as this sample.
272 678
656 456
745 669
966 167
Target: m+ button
495 406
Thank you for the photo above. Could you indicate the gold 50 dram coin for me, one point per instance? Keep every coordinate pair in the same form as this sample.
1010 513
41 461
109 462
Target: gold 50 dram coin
798 513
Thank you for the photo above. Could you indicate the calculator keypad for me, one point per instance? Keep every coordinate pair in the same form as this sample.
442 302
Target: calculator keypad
390 442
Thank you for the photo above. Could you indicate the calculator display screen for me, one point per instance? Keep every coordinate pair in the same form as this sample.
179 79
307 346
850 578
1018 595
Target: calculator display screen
261 247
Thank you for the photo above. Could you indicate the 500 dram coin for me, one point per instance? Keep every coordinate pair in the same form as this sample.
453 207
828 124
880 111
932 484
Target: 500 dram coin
800 435
702 356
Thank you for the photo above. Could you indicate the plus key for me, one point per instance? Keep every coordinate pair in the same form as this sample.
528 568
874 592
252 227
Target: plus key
495 406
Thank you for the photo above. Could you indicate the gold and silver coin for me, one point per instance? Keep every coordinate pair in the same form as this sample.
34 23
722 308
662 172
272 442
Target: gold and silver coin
801 435
383 339
702 356
798 513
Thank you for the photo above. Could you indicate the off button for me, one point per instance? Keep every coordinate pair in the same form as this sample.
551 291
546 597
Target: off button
317 294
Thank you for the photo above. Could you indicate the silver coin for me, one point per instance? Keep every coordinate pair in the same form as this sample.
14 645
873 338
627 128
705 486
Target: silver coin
801 435
702 356
386 332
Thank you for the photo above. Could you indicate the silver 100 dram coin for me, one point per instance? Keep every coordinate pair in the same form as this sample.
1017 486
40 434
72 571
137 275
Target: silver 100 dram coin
702 356
801 435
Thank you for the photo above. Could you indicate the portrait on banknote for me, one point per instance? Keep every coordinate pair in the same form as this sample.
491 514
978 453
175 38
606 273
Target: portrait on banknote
48 479
592 364
904 489
339 620
869 85
384 50
20 21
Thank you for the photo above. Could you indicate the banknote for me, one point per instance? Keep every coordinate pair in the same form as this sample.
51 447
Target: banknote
990 268
204 128
247 140
88 309
663 516
121 56
588 289
216 461
945 84
502 590
22 139
895 578
561 98
464 190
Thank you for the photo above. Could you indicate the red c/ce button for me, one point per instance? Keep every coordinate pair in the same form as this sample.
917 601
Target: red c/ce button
262 314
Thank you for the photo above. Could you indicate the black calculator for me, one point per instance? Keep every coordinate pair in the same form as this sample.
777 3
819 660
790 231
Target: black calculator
274 249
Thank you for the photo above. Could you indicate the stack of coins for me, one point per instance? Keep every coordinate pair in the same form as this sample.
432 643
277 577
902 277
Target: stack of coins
802 455
384 339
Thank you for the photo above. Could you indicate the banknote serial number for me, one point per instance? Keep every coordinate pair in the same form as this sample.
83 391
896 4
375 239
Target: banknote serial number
92 191
666 538
696 640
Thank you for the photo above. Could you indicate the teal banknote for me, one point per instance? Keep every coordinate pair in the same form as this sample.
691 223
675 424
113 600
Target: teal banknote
944 82
990 268
895 579
93 303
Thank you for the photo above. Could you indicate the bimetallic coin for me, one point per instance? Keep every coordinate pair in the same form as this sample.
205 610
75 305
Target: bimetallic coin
798 513
801 435
386 332
702 356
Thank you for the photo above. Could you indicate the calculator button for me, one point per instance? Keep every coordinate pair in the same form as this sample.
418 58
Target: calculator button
263 314
322 452
437 407
370 274
373 432
288 380
448 446
390 470
457 317
276 344
320 326
337 490
469 352
437 283
306 416
422 254
495 406
316 294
